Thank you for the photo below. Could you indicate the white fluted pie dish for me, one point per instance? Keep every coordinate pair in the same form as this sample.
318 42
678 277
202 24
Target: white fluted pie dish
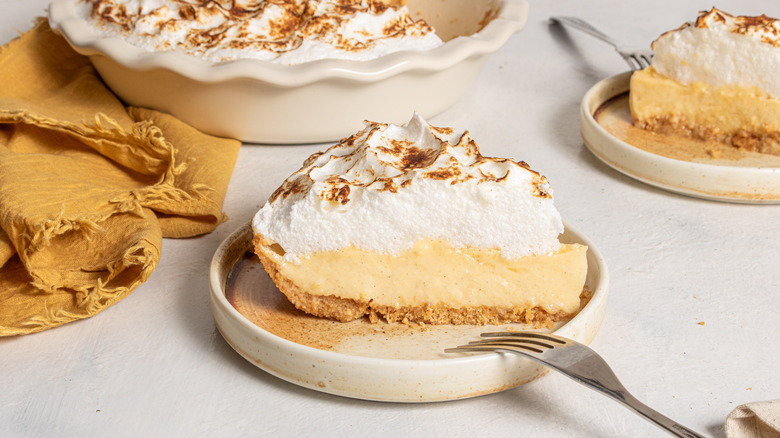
318 101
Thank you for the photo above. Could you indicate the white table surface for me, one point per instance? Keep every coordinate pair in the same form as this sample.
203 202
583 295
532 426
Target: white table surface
691 326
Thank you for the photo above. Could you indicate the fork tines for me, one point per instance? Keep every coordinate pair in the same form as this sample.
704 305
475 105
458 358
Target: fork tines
637 59
529 342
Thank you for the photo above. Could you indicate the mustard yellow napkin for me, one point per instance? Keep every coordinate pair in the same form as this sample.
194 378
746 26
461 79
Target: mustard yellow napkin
755 420
89 187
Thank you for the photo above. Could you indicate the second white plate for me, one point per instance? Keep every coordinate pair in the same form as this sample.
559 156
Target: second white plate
606 127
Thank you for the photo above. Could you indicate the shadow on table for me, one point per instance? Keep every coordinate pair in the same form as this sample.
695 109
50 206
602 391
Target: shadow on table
522 401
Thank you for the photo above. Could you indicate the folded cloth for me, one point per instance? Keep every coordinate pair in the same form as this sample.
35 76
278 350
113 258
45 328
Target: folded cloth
89 187
755 420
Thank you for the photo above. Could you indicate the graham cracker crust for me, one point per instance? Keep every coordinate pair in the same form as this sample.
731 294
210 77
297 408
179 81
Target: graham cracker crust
745 140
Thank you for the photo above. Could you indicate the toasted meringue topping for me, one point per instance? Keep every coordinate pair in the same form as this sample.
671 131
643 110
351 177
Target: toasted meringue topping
279 31
762 28
388 186
720 49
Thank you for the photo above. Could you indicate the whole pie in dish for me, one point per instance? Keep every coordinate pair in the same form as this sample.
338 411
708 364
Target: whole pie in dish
714 79
411 223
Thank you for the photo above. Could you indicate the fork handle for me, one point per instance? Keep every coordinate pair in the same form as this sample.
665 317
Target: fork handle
673 427
584 26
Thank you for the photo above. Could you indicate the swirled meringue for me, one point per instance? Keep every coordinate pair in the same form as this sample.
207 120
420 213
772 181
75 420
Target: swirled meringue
388 186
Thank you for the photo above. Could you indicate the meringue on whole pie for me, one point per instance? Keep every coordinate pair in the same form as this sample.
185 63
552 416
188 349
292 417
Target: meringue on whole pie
411 223
281 32
714 79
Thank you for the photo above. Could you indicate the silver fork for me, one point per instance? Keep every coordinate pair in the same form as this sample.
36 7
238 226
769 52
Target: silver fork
577 361
637 59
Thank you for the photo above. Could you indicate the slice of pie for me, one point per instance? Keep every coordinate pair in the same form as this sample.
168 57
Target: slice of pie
714 79
411 223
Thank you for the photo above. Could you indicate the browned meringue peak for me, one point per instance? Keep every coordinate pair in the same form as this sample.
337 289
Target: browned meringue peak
283 31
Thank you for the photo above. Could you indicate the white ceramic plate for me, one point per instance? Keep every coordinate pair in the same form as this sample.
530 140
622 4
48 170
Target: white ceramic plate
387 362
605 124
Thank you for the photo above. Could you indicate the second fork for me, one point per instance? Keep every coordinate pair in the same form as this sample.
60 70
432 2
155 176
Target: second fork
637 59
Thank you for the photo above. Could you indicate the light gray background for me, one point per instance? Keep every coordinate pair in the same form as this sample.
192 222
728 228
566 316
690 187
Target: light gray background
154 365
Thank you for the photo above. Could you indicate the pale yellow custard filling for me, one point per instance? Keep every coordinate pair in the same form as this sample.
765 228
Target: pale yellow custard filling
435 279
744 117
